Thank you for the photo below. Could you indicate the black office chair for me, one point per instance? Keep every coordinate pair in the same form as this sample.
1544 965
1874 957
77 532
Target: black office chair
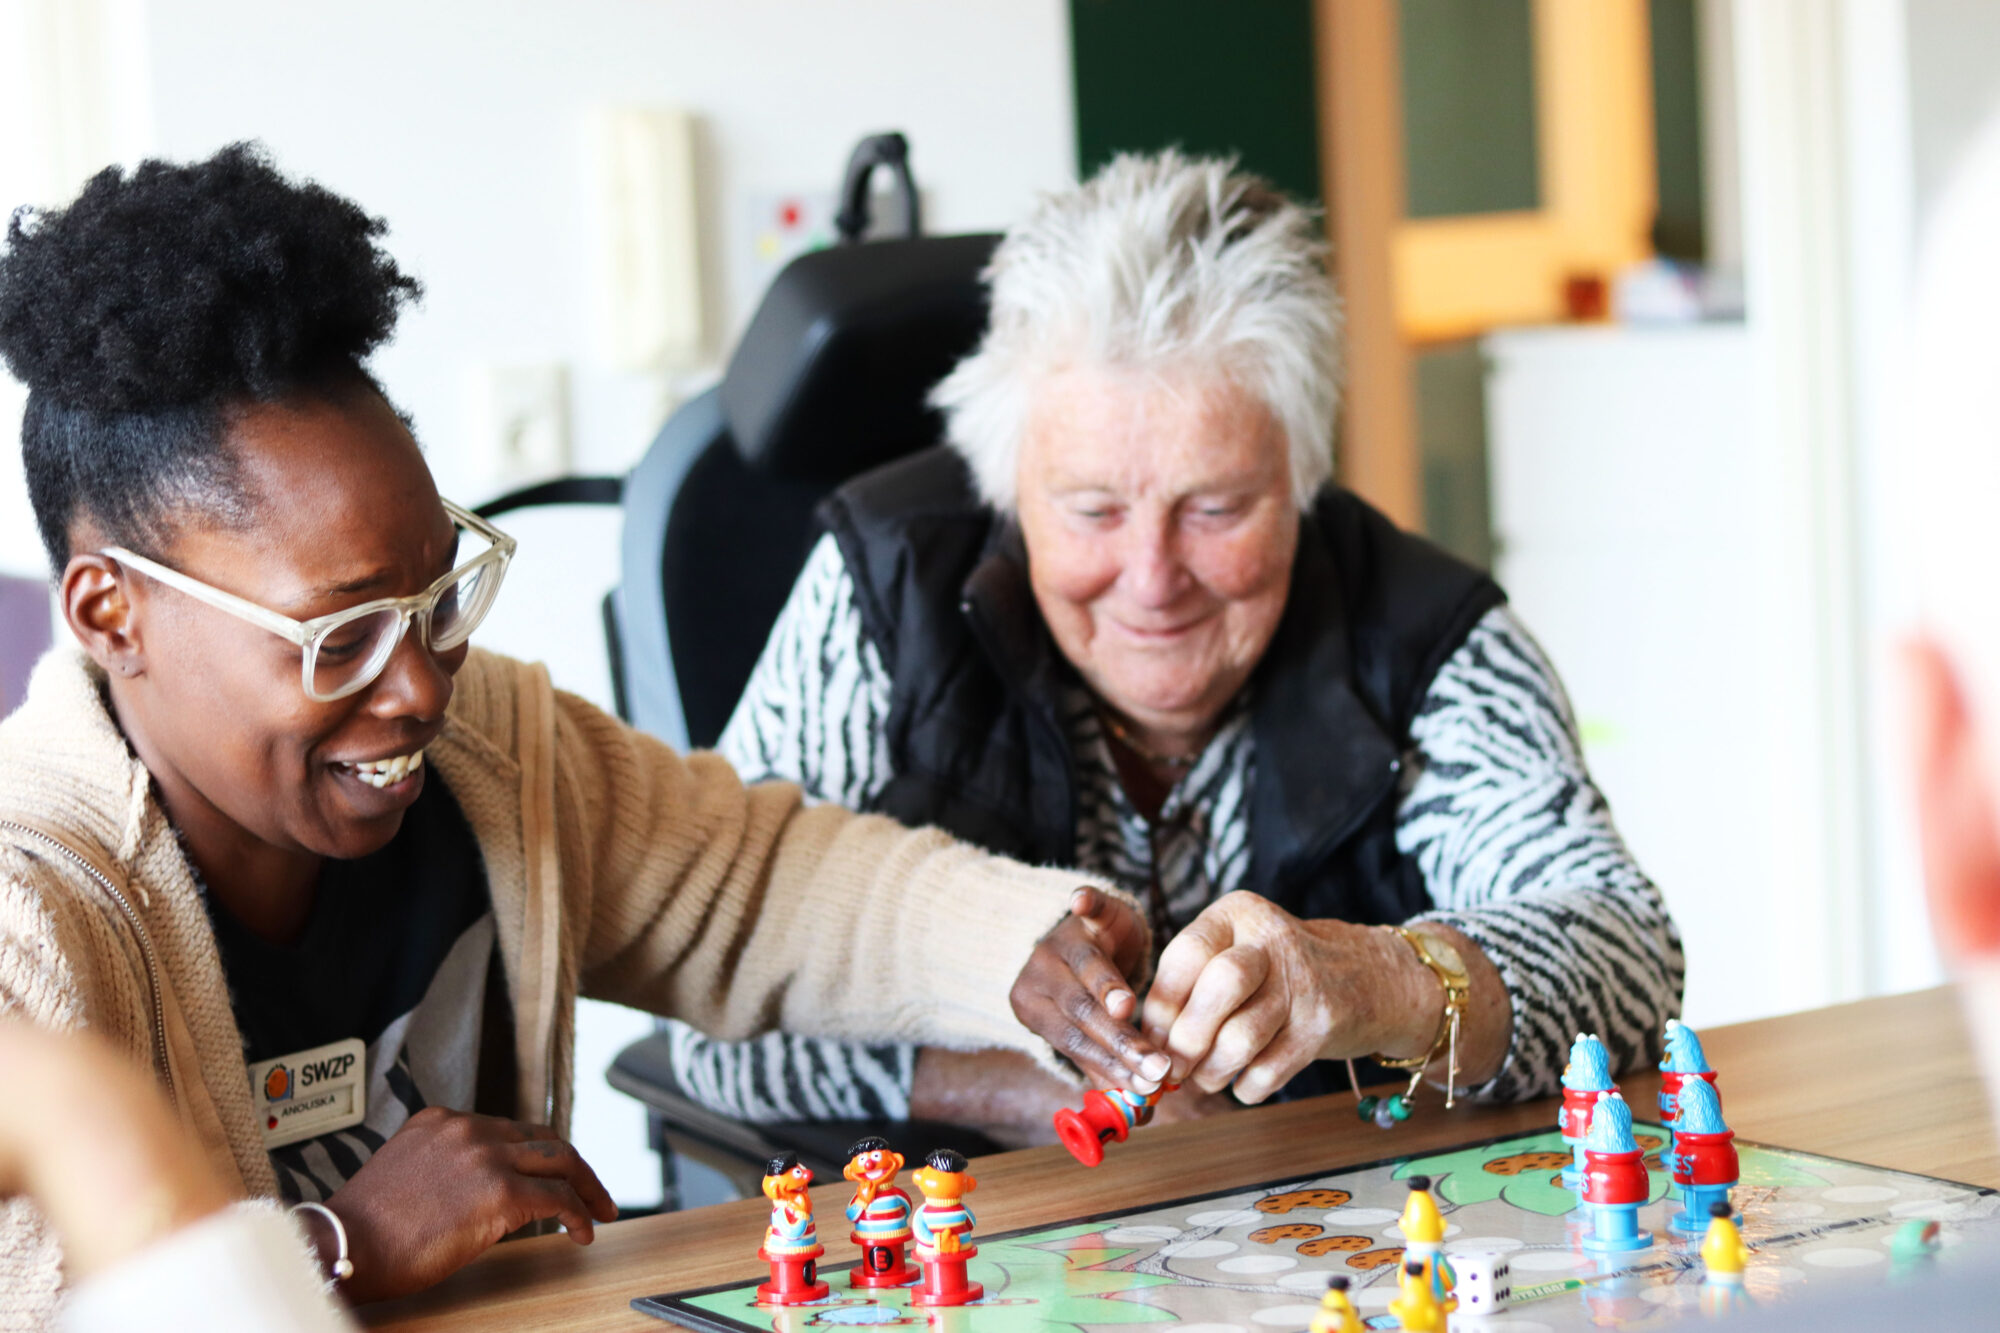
828 381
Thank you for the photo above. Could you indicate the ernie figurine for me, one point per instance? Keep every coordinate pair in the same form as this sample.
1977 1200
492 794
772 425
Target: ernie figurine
941 1226
880 1213
1107 1116
791 1243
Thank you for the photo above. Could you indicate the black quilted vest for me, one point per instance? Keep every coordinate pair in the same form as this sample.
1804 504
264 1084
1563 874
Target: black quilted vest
975 733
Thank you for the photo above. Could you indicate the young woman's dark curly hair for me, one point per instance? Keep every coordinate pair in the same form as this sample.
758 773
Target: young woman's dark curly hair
143 312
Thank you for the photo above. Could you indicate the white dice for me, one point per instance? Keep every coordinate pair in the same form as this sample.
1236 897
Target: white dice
1485 1283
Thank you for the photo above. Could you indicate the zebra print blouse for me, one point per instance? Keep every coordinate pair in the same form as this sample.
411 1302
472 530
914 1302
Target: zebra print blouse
1516 847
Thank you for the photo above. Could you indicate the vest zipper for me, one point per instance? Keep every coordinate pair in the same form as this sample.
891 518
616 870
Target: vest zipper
138 931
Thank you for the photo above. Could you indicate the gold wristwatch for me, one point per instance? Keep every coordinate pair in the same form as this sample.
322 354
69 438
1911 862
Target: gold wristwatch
1436 953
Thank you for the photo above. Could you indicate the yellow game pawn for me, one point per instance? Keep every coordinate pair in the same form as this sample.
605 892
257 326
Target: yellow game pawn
1421 1223
1726 1256
1336 1313
1723 1249
1422 1226
1417 1309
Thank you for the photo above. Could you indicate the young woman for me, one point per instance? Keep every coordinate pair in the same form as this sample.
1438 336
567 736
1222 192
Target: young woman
336 879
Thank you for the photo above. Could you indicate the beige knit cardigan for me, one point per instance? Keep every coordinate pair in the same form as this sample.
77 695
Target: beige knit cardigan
618 869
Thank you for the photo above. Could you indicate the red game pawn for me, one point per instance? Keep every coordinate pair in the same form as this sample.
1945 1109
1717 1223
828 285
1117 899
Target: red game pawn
1106 1117
1615 1180
791 1242
881 1215
1703 1161
941 1226
1584 1078
1685 1061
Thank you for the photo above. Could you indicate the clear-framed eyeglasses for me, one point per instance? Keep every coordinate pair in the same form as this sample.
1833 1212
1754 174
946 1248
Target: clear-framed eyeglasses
345 651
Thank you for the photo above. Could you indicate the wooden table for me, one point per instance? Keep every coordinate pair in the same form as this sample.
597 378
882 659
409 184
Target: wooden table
1887 1081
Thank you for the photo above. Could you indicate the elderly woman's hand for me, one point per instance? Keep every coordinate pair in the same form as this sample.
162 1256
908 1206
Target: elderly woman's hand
1250 994
1075 993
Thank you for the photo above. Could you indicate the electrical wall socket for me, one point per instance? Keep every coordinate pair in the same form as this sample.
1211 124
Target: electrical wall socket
523 420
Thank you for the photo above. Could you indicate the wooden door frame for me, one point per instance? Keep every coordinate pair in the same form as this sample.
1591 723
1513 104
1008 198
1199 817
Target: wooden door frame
1408 282
1361 165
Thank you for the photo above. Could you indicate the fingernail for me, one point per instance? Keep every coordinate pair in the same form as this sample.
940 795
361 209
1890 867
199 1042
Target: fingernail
1117 997
1077 900
1154 1067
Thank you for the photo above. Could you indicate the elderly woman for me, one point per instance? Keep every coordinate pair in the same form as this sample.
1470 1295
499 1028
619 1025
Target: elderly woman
331 877
1127 622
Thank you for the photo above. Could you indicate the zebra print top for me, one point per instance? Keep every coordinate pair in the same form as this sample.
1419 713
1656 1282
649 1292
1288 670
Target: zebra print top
1516 847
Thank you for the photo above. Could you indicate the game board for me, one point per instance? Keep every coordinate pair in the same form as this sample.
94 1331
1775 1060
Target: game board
1255 1260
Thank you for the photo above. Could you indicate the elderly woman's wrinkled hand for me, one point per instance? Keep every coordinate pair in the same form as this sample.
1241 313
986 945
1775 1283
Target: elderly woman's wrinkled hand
1076 992
1250 994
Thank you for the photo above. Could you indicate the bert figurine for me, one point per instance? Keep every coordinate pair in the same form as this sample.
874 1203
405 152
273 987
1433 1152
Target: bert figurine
941 1226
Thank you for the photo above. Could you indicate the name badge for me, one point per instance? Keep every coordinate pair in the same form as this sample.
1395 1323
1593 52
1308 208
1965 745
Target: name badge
311 1093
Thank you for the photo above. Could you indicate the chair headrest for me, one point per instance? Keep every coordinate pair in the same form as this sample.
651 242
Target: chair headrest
829 379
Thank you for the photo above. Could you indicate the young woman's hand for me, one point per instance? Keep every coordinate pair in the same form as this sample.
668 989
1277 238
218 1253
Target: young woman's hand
1076 993
445 1188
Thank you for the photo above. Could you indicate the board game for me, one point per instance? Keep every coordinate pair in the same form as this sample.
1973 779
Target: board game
1255 1260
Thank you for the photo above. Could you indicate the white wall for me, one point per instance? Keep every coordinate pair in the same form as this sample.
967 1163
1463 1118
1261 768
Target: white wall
462 123
1632 512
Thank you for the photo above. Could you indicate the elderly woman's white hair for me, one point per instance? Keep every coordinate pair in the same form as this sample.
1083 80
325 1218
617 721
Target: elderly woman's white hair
1160 263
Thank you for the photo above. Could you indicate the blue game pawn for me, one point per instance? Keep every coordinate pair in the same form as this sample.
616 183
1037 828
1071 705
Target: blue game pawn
1703 1160
1587 1074
1685 1062
1615 1182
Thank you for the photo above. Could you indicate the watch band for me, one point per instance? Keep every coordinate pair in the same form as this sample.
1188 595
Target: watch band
1457 989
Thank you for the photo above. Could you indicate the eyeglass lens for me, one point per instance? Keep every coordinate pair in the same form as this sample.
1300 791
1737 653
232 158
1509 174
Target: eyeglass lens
462 606
355 653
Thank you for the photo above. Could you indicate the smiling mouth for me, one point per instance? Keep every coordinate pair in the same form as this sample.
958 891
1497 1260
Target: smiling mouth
380 773
1159 632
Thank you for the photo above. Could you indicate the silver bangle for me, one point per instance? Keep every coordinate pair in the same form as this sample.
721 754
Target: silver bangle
343 1267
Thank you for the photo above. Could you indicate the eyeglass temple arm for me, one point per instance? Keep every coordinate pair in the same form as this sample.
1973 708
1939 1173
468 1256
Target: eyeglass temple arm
281 625
479 525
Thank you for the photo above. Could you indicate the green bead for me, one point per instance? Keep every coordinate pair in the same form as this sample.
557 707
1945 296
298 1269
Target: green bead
1399 1106
1367 1108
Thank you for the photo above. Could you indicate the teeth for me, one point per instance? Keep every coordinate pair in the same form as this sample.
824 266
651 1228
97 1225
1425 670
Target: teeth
387 772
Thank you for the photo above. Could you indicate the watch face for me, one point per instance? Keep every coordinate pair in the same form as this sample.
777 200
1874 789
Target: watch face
1442 950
